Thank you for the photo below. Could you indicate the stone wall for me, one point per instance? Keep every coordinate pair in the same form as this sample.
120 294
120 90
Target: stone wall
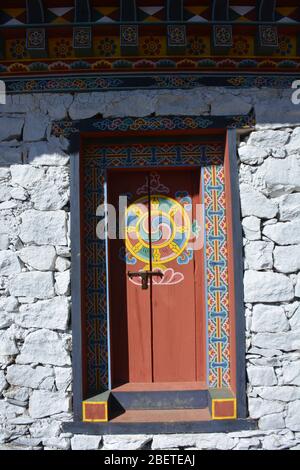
35 296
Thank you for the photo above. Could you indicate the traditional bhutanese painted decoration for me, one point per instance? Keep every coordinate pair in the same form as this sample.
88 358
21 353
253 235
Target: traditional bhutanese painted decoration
64 53
170 228
216 275
97 160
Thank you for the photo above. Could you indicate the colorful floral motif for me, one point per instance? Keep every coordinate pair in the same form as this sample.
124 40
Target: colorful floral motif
151 46
107 47
63 48
197 45
17 49
285 46
240 46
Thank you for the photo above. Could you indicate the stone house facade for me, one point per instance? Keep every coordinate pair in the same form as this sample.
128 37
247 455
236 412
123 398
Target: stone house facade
189 103
35 347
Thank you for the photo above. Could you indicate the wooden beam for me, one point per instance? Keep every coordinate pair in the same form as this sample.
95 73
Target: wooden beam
267 35
129 33
82 35
36 42
176 33
221 40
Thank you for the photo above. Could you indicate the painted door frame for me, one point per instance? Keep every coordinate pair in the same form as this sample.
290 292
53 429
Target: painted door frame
88 129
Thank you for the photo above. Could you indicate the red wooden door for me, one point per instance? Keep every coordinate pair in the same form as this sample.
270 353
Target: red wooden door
156 332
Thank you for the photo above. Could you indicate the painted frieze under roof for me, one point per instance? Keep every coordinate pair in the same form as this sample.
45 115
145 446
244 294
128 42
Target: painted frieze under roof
78 41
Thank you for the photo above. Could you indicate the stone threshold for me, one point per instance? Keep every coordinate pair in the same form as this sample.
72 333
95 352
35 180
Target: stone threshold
210 426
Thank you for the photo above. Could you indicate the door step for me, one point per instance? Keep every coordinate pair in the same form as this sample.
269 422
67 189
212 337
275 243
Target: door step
162 400
220 404
166 416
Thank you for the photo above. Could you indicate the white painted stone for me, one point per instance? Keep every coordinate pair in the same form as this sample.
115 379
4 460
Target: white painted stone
289 341
8 205
289 207
252 155
293 416
279 177
85 442
280 393
293 145
259 255
5 192
45 153
64 251
287 258
32 284
4 241
259 407
10 128
62 282
56 105
297 287
59 443
279 153
43 403
267 287
9 263
6 320
125 442
8 345
9 224
62 264
259 376
137 104
277 442
43 228
291 373
269 112
45 427
255 203
8 411
27 376
4 174
218 441
8 304
25 175
173 441
269 319
19 194
291 308
48 196
248 444
10 156
52 314
251 227
35 127
38 257
295 319
269 139
3 382
44 347
87 105
272 421
17 396
284 233
191 103
63 378
227 104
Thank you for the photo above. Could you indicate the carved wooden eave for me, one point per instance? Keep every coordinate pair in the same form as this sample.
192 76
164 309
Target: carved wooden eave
207 42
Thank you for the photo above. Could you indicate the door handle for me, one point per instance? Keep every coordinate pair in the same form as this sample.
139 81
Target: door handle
145 275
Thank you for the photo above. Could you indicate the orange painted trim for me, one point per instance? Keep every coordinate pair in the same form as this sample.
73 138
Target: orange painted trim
221 401
95 420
